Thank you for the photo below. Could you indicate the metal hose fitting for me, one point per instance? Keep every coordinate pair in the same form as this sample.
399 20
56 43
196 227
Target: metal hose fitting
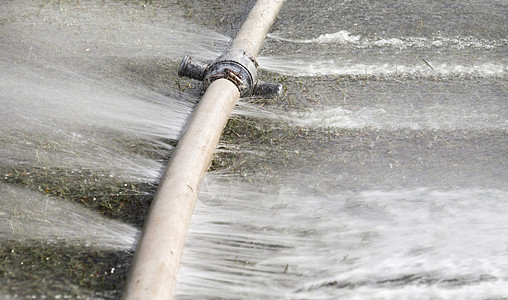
239 67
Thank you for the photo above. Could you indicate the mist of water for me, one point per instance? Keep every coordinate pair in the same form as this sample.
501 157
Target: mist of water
81 84
73 121
88 86
22 211
84 87
65 97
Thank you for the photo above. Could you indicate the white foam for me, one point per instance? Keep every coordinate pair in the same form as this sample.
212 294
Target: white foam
306 63
341 37
345 37
300 67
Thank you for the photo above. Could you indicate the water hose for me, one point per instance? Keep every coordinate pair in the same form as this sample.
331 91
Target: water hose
153 271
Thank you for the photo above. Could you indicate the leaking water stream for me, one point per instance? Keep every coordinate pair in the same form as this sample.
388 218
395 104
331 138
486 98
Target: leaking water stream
380 174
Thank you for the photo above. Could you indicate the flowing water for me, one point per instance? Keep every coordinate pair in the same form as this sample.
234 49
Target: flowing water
395 187
90 110
380 174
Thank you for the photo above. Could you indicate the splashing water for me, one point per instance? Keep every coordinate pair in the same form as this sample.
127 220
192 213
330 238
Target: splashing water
438 117
341 37
414 51
404 199
437 41
72 121
409 202
387 244
84 86
65 99
333 67
23 210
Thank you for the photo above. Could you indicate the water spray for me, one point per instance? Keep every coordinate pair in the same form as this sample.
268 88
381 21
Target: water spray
156 262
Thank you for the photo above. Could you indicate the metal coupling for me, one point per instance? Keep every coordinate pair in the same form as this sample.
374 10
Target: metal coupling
192 69
239 67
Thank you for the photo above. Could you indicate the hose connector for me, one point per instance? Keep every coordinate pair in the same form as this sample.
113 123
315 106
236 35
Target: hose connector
239 67
192 69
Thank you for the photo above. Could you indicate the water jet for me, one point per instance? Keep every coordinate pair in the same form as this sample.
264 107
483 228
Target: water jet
156 262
